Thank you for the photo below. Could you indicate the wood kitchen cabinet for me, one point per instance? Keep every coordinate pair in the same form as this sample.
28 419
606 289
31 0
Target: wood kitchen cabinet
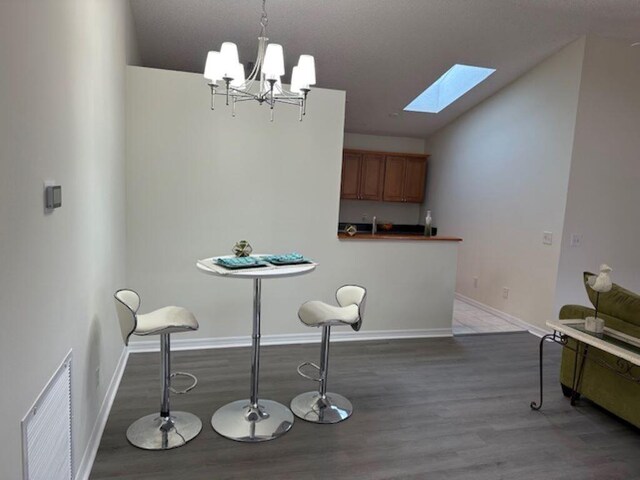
362 175
392 177
405 178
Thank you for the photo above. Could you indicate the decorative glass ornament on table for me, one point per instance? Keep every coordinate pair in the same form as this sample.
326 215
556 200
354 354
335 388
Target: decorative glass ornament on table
242 248
263 83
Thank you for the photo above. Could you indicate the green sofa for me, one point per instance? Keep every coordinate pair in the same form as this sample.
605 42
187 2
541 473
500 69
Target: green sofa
620 310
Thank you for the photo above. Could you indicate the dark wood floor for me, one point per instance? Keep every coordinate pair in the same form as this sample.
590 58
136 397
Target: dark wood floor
449 408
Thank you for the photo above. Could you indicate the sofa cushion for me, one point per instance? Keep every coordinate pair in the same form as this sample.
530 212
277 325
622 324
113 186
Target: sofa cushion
619 302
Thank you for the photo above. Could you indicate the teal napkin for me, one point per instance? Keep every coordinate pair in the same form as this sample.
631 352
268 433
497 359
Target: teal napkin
286 257
237 261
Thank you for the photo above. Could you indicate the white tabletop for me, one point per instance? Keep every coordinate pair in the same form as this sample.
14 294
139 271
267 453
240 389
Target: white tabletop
208 265
630 354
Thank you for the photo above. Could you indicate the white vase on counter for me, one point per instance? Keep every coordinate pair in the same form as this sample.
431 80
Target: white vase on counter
427 224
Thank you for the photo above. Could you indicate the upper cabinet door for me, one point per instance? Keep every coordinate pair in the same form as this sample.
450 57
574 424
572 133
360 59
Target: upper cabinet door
414 179
372 177
394 179
350 185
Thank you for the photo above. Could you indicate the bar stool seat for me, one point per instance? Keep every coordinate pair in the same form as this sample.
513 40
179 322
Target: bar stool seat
166 320
166 429
316 313
321 406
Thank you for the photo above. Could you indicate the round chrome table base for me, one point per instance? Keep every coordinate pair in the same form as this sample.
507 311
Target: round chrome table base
154 432
311 407
239 421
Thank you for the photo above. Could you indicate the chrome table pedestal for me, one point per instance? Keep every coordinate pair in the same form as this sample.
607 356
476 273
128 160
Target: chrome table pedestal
253 420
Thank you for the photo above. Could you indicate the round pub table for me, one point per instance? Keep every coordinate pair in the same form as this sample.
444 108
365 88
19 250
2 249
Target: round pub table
253 419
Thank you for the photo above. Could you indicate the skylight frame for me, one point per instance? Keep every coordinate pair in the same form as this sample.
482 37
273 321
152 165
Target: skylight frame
452 84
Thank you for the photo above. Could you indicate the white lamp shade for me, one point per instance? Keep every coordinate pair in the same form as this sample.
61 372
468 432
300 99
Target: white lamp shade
238 77
229 54
307 67
212 69
273 65
296 81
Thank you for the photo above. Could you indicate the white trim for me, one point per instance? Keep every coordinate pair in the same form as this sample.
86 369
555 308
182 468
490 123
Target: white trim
85 466
287 339
533 329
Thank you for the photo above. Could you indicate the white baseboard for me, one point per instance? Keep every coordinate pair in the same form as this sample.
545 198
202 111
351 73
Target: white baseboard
84 468
287 339
533 329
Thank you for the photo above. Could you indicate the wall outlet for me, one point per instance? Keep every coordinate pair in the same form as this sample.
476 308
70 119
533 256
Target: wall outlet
547 238
576 240
505 293
475 282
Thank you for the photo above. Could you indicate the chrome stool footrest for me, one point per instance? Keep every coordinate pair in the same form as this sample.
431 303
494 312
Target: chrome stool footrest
189 388
309 364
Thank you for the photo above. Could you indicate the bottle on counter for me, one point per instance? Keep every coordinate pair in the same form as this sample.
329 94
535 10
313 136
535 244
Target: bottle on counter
427 224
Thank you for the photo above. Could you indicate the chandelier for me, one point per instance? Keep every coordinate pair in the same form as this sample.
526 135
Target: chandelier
226 75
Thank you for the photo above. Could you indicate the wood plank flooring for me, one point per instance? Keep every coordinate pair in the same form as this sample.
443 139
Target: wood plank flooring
447 408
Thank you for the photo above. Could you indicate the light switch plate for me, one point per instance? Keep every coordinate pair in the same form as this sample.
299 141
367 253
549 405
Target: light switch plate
547 238
576 240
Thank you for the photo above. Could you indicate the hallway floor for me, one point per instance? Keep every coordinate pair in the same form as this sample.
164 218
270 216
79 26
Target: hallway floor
468 319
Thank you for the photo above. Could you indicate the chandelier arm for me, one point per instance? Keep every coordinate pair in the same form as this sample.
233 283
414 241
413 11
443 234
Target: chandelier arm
245 99
288 102
290 94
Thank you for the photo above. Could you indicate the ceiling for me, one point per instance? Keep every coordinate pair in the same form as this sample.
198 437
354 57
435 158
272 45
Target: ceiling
383 52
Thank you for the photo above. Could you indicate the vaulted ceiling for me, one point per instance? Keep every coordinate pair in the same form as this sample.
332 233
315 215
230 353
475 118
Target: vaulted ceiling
383 52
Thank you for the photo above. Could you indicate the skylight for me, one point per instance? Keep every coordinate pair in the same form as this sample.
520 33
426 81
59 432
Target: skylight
455 82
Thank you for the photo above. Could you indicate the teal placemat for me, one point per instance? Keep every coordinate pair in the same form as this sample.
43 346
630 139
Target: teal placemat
287 259
240 262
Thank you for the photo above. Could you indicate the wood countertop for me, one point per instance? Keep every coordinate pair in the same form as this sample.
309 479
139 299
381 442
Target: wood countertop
396 236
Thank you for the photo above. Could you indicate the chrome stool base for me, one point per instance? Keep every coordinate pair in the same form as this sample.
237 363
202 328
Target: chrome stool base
310 406
243 423
154 432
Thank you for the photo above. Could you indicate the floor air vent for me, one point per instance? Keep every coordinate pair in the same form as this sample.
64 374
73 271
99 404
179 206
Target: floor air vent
46 430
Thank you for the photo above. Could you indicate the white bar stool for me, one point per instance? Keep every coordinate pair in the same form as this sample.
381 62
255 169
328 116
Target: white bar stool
320 406
167 429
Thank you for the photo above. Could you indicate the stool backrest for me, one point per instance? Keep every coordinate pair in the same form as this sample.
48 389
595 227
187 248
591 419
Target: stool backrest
127 304
353 295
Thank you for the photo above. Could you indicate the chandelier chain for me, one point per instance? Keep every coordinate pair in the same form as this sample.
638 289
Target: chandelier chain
264 19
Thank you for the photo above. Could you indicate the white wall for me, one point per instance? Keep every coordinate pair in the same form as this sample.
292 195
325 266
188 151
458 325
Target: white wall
62 102
604 194
358 211
380 143
498 178
198 181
